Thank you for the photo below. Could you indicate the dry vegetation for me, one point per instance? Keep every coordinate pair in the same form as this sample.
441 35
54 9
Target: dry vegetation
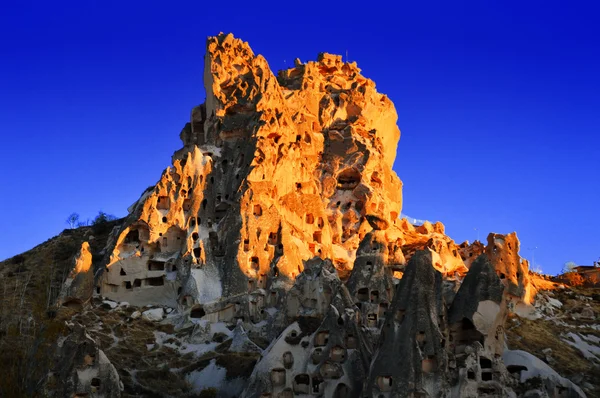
29 285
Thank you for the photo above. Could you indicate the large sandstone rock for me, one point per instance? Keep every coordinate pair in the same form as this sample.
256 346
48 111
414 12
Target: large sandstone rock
82 369
279 218
78 288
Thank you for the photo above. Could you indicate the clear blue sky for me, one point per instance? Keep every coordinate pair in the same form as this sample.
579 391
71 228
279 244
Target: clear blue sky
498 103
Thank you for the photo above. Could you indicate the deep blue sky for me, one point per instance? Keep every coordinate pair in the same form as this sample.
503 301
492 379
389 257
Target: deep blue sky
498 104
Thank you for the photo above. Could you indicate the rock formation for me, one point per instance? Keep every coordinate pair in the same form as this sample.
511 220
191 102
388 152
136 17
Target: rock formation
279 220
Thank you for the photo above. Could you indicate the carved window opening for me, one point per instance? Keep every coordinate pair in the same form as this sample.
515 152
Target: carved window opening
164 219
254 263
137 283
348 179
429 364
384 383
133 236
374 296
317 236
310 219
158 281
163 203
122 272
363 294
257 210
485 363
195 236
371 320
246 245
278 377
351 342
302 384
486 375
156 266
322 338
187 205
197 312
197 252
273 238
288 360
338 354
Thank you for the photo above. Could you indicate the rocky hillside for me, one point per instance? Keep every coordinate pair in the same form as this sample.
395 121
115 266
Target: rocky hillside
269 260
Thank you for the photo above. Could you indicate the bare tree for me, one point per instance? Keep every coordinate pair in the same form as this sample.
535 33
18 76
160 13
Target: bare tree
569 267
72 220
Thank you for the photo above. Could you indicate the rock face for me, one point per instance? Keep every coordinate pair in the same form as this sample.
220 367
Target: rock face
279 219
79 285
83 370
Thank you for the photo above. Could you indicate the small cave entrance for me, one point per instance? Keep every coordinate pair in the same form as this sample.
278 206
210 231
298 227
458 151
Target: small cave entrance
278 377
348 179
385 383
95 382
197 312
429 364
341 391
338 354
351 342
257 210
158 281
132 236
73 303
485 363
322 338
362 294
155 265
374 296
187 204
122 272
310 219
317 236
163 203
288 359
302 384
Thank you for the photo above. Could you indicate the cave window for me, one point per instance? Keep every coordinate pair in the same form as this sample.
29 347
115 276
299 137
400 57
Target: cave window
122 272
351 342
158 281
224 165
195 236
338 354
254 263
187 205
298 185
164 219
204 201
278 377
372 320
485 363
273 238
471 375
246 245
163 203
197 312
348 179
288 360
429 364
257 210
486 376
193 222
298 138
363 294
320 222
133 236
384 383
156 266
322 338
374 296
302 384
310 218
95 382
128 285
197 252
137 283
317 236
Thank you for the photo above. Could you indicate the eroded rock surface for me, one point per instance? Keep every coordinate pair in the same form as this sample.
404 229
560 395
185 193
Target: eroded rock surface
278 220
